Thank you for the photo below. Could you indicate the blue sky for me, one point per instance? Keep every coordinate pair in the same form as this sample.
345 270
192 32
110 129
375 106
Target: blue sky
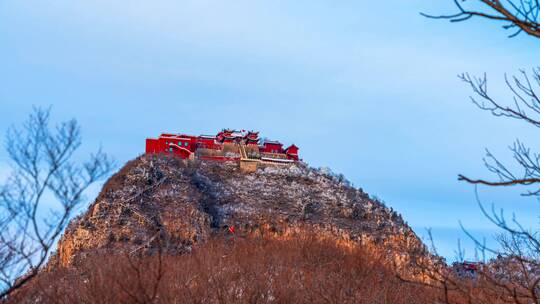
368 89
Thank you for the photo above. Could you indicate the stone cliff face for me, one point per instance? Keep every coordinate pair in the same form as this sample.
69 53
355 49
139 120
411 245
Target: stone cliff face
159 200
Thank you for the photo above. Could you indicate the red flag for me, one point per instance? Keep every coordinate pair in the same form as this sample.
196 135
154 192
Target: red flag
231 229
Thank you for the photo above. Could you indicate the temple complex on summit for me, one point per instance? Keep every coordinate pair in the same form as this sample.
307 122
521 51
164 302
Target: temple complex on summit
228 145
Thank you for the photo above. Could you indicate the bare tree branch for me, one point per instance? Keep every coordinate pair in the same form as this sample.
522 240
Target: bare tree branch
525 106
517 15
43 166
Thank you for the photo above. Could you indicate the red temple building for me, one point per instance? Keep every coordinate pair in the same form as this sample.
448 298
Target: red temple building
228 145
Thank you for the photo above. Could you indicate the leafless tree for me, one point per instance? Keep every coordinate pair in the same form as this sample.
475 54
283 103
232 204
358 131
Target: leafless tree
513 274
517 15
42 193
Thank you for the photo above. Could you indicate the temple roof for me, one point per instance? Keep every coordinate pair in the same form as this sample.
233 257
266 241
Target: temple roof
272 142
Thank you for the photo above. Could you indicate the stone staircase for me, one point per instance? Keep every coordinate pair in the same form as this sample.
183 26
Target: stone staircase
247 164
243 153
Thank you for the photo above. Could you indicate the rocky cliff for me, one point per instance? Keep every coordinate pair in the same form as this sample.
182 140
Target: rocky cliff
163 201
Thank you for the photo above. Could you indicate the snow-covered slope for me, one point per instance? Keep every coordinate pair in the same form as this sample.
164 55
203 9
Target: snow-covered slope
159 200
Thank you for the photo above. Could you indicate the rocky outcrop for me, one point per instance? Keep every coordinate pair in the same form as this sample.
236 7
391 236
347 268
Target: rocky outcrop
164 201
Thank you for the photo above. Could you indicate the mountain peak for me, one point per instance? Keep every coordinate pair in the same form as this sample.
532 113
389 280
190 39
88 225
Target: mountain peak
177 203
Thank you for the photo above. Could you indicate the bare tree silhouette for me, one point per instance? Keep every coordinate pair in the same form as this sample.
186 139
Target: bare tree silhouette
513 275
40 196
517 15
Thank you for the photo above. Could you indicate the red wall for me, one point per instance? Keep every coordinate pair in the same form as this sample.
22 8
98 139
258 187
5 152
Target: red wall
151 145
292 152
272 148
162 145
